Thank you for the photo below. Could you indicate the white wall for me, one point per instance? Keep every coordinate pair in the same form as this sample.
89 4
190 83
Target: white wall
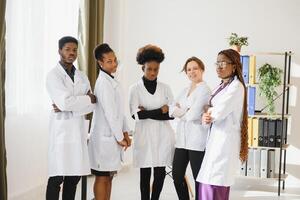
26 141
200 28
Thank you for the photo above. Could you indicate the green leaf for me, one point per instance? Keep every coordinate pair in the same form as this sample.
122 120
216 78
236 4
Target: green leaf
269 78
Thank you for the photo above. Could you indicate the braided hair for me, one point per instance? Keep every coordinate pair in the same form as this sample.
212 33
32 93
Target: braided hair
234 57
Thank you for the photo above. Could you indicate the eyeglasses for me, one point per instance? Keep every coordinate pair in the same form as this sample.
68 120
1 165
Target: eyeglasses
222 64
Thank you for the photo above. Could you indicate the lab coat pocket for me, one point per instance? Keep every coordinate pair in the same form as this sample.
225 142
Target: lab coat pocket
86 124
110 150
66 130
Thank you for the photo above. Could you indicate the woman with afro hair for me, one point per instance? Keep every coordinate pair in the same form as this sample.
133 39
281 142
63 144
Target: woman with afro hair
153 138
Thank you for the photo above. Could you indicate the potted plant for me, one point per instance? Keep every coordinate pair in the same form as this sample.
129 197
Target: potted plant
269 78
237 42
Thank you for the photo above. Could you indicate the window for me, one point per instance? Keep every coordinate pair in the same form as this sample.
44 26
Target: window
33 30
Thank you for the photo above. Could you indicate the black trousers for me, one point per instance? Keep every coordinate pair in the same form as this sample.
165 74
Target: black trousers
69 187
182 157
158 182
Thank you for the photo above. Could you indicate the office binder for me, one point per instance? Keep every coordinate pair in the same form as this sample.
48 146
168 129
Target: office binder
251 100
255 129
256 162
266 133
272 132
245 63
252 69
278 132
250 163
260 132
263 163
271 163
250 131
243 169
277 159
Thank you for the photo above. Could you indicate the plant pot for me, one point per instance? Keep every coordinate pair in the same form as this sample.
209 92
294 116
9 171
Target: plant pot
236 48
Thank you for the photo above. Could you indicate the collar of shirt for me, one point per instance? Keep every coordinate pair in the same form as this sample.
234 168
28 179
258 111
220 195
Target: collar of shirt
150 85
71 73
106 72
149 82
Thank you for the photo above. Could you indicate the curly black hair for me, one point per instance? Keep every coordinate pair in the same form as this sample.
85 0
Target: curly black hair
149 53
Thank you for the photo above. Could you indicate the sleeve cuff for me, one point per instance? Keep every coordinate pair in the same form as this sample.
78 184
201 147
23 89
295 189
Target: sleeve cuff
213 114
119 137
178 112
136 116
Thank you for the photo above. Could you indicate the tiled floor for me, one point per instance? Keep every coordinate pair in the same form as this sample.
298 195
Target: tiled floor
126 187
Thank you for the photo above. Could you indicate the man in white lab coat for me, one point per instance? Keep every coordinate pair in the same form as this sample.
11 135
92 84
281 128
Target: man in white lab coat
69 90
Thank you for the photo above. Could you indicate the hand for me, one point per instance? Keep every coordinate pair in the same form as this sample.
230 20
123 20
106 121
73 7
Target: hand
165 109
123 143
55 108
141 108
93 97
127 138
205 108
206 118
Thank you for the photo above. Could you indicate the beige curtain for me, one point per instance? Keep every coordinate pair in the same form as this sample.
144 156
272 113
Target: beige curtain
90 33
3 180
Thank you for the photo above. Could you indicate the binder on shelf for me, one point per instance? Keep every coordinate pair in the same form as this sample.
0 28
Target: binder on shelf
263 163
255 131
272 132
256 162
266 133
271 163
277 160
252 69
251 100
250 163
245 63
250 131
279 133
260 132
243 169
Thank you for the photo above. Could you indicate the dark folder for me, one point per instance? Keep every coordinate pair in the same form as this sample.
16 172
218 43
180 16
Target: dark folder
279 132
272 132
266 132
261 132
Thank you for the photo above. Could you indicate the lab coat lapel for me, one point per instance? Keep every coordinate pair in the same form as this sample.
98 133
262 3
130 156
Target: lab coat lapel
113 82
67 77
77 77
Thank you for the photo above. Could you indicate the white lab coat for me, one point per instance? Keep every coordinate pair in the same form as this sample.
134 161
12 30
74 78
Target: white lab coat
68 154
190 133
221 159
153 141
108 125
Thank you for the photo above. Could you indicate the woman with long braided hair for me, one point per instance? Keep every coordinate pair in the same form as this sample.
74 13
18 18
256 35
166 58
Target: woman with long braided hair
228 139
